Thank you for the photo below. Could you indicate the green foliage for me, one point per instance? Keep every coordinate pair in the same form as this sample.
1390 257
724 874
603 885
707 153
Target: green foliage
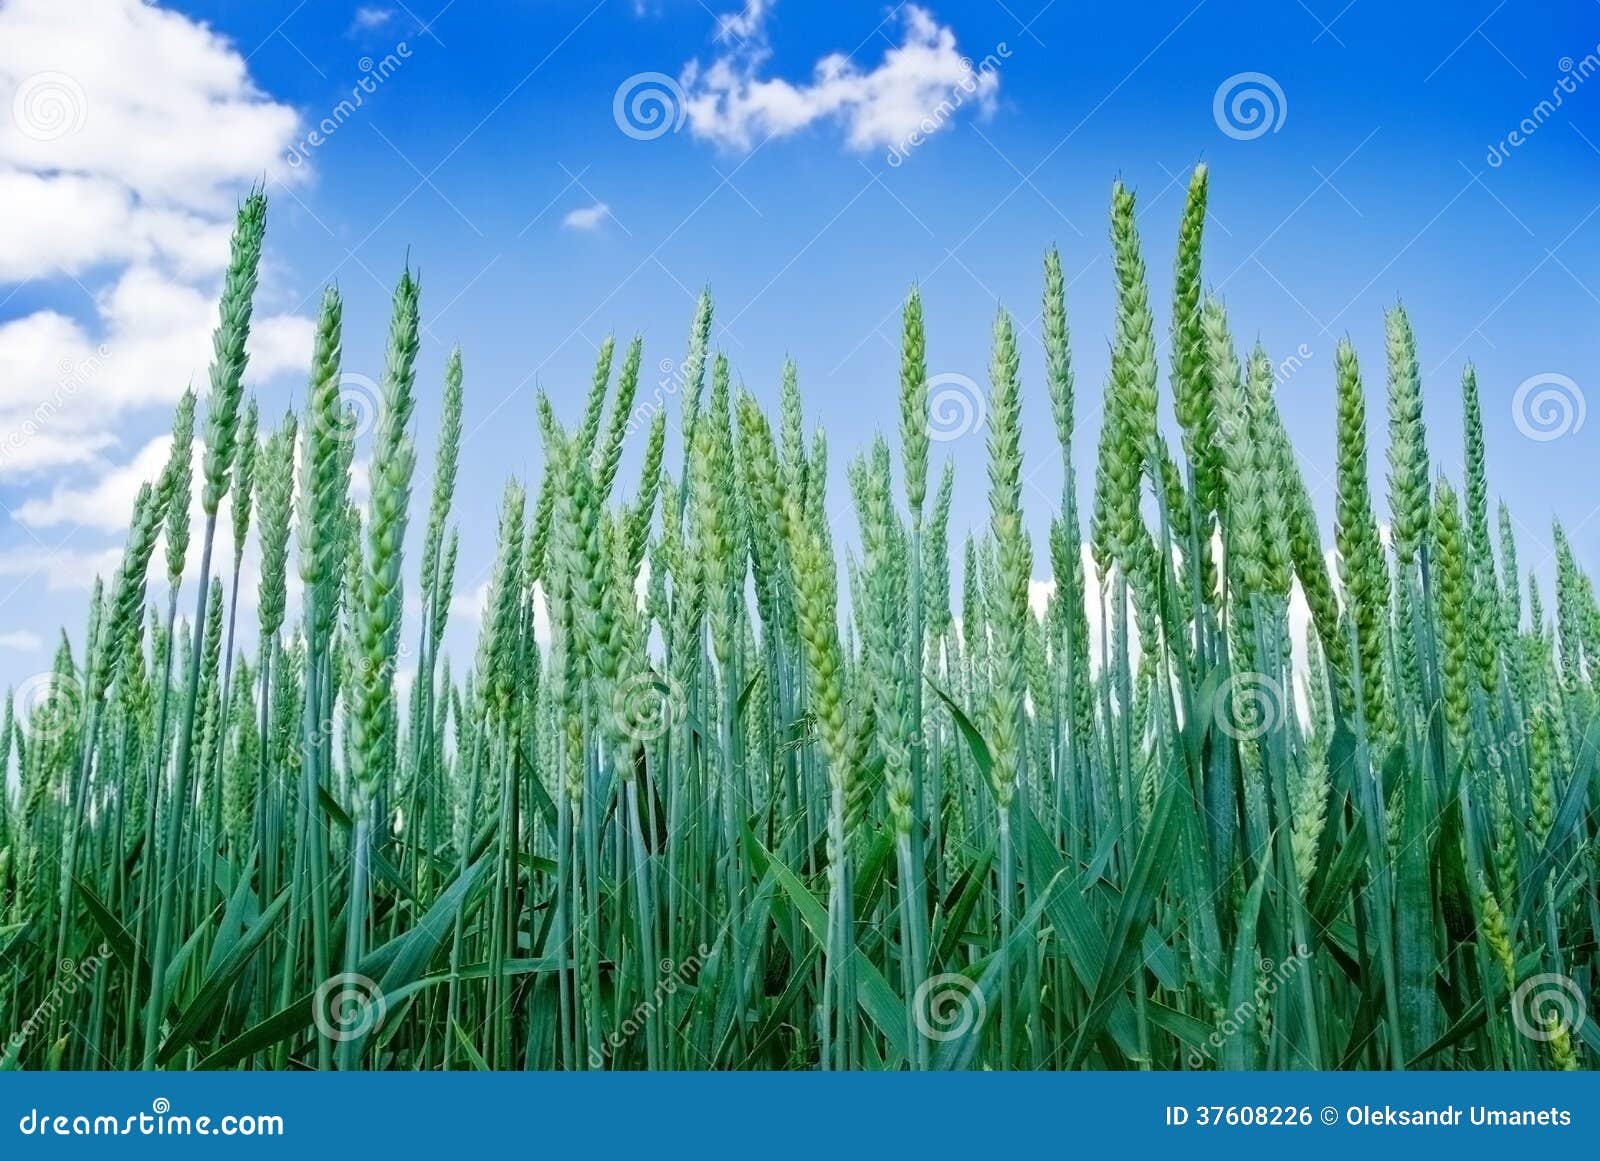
692 806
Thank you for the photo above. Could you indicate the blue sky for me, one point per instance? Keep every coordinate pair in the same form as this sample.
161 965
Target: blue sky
488 150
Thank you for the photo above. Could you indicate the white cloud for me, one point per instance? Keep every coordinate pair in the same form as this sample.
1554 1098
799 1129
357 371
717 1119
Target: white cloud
35 451
60 568
746 24
914 91
471 606
21 641
65 224
155 340
125 174
368 18
587 218
360 490
137 95
106 504
1042 592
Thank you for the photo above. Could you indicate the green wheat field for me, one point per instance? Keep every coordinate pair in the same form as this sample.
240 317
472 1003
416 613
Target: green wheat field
731 784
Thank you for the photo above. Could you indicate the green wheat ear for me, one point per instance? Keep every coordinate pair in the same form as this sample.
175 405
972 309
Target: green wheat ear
1058 352
497 645
445 466
244 477
175 487
1010 605
276 487
1408 452
229 354
1454 609
120 634
1133 382
378 599
914 437
1191 385
689 805
608 454
323 474
1361 558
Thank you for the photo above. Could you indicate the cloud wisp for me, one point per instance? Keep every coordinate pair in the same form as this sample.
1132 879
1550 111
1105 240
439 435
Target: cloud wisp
733 103
587 217
120 180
